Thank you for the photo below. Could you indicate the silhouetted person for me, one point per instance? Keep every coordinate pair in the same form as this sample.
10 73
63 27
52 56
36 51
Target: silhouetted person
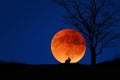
67 61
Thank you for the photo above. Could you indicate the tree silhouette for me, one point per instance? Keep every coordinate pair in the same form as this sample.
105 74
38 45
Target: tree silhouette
95 20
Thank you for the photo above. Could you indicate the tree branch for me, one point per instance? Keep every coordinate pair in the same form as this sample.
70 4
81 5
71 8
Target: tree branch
94 21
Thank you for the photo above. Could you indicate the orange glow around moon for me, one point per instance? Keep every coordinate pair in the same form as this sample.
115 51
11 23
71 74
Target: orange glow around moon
68 43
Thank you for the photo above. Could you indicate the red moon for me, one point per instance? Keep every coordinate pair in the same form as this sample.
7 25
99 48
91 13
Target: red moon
68 43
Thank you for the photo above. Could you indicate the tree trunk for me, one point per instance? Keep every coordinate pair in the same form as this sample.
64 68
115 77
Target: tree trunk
93 56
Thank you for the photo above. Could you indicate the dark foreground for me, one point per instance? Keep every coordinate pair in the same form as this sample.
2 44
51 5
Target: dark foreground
106 70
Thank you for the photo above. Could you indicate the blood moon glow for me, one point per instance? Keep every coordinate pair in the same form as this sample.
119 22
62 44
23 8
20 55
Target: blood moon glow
68 43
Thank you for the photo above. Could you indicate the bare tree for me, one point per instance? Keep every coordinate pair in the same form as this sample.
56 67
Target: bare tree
95 20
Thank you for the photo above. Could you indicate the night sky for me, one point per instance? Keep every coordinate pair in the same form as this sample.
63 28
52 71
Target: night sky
26 30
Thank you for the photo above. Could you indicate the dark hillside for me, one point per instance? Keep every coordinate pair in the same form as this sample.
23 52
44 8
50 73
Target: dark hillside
61 71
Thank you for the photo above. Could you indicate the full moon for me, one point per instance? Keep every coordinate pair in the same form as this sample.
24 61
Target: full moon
68 43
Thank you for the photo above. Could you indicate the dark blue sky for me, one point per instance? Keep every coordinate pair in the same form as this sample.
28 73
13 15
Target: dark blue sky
26 30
